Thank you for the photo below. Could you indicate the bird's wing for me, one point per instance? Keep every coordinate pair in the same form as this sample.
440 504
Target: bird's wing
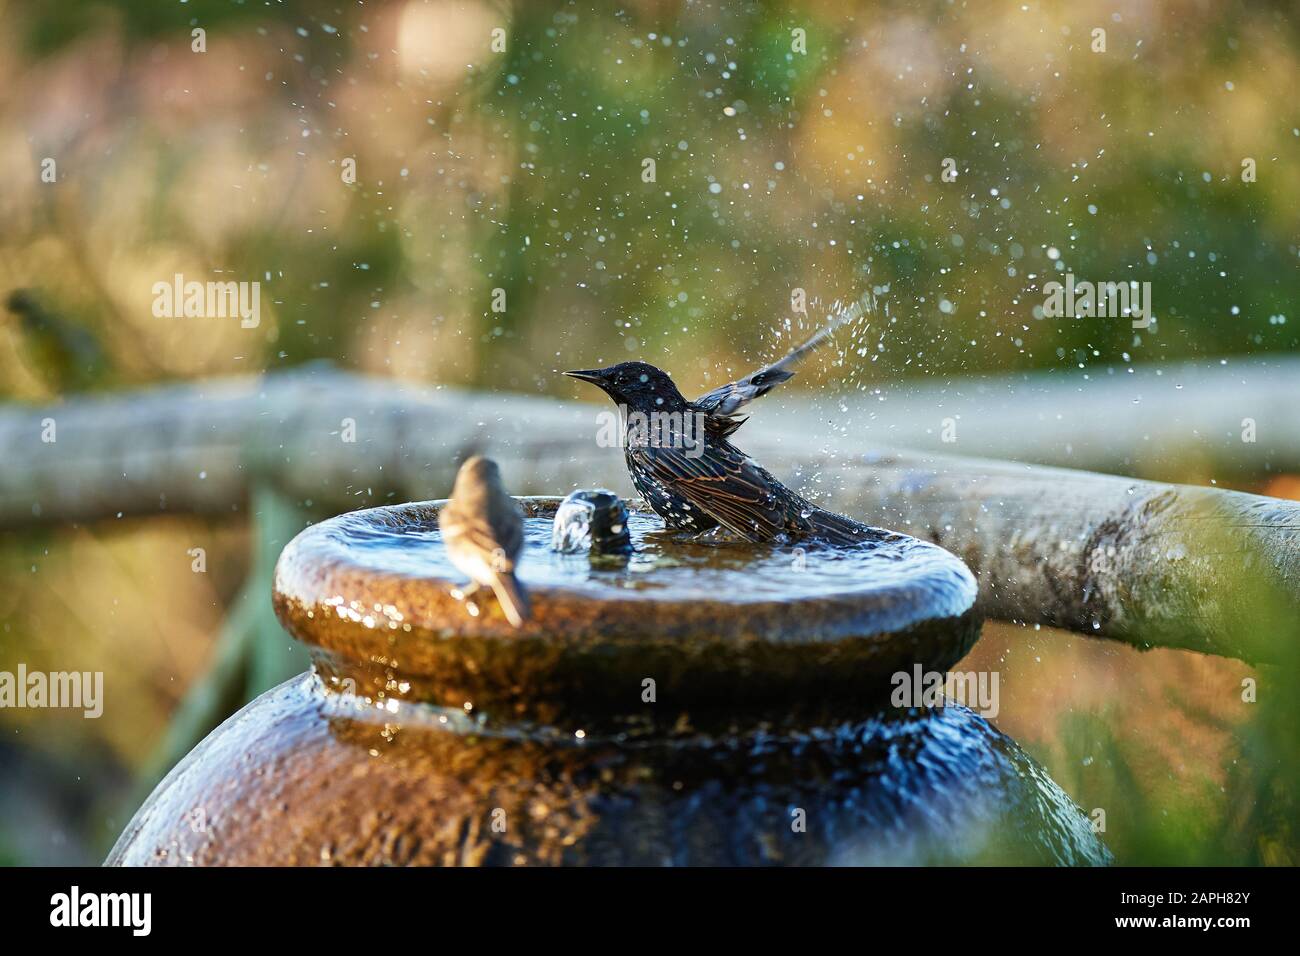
480 533
725 400
724 483
508 521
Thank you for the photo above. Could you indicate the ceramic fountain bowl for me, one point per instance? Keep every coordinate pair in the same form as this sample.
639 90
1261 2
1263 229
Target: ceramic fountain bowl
701 702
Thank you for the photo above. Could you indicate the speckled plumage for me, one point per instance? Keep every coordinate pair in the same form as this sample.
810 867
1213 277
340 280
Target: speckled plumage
695 479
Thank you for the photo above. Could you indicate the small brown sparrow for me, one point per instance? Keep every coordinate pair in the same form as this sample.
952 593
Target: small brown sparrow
483 529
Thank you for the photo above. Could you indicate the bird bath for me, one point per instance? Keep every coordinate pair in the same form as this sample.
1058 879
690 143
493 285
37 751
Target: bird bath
698 702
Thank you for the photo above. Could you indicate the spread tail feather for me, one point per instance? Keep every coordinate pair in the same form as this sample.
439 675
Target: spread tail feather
511 596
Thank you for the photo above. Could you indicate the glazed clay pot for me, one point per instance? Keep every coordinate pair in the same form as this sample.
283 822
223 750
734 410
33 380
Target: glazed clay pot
425 735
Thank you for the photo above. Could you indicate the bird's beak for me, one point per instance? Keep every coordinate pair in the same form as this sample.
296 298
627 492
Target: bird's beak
595 375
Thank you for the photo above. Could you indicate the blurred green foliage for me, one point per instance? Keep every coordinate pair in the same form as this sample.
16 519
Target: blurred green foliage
775 169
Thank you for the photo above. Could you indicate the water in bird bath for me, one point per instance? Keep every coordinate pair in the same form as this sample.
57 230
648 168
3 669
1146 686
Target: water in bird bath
378 586
677 565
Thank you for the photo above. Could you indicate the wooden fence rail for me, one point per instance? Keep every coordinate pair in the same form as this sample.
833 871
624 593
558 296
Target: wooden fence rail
1143 562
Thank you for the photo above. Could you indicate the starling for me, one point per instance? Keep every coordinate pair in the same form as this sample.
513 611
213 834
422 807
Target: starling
483 529
685 468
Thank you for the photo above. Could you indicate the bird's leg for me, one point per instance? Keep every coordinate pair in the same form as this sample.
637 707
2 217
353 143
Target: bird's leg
465 596
460 594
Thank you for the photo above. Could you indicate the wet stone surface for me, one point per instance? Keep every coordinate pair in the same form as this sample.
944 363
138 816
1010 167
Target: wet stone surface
731 633
302 778
699 702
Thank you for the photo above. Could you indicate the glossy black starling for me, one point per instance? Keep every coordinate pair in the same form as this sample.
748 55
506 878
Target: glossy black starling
483 530
683 465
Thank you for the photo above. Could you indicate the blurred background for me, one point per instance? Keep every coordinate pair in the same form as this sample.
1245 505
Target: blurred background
481 169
